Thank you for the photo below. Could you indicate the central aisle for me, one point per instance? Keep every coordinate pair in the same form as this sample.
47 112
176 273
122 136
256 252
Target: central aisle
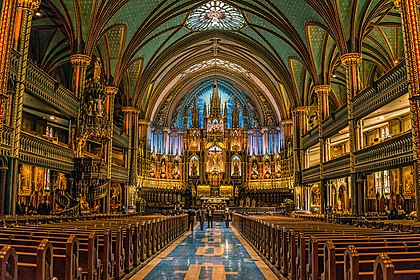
215 253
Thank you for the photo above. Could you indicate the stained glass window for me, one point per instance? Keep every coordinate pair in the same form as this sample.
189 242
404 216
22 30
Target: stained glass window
215 15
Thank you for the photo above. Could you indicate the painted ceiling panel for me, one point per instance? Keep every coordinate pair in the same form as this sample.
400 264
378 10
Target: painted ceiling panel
175 37
298 13
345 15
281 48
86 10
155 43
316 36
136 12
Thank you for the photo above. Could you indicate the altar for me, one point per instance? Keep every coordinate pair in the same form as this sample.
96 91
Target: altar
217 203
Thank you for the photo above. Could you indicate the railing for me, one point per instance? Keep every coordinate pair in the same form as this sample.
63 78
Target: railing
6 139
42 152
311 174
120 139
98 192
119 173
172 184
71 212
310 138
392 152
338 167
335 122
62 199
43 86
270 184
389 87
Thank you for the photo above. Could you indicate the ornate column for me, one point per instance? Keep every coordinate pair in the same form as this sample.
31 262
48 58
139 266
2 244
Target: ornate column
350 60
143 129
132 128
79 63
300 118
23 26
7 17
410 23
109 111
322 94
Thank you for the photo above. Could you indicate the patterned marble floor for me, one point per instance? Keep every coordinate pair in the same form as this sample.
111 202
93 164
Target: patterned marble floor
217 253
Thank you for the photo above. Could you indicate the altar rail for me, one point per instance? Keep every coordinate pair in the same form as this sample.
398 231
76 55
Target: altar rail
270 184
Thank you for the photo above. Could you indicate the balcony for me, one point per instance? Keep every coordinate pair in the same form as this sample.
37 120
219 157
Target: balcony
310 138
6 145
338 167
387 154
335 122
119 174
39 151
41 85
311 175
389 87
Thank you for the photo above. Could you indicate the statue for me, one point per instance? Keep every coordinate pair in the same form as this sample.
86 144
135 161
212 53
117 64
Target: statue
99 107
267 170
247 202
236 170
84 206
175 173
254 171
241 203
162 169
194 171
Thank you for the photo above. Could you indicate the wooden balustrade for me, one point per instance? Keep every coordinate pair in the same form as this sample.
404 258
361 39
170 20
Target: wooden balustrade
103 249
35 149
302 249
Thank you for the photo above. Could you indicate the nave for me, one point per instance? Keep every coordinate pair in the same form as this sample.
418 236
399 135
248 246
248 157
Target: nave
211 253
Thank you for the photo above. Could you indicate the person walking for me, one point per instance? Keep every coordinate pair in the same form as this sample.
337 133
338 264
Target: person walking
191 215
200 216
210 217
226 217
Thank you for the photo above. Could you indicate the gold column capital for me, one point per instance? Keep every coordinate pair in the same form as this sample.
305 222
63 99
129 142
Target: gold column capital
110 90
287 122
322 89
300 109
397 3
79 59
349 59
130 109
144 122
29 4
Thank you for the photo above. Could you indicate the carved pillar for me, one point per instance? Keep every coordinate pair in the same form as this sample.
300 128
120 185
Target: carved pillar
7 17
323 111
79 63
23 26
143 131
109 111
300 118
132 127
350 60
410 23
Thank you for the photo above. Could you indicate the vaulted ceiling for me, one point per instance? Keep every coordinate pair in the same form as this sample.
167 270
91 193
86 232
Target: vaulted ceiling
285 47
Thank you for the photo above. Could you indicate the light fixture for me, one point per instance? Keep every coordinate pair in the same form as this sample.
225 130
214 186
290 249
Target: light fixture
52 118
396 61
38 13
334 76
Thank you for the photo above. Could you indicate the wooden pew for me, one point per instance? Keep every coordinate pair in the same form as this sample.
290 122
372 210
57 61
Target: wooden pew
8 263
404 267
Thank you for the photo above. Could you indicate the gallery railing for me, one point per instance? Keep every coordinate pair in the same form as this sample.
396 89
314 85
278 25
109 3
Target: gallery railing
39 151
391 152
